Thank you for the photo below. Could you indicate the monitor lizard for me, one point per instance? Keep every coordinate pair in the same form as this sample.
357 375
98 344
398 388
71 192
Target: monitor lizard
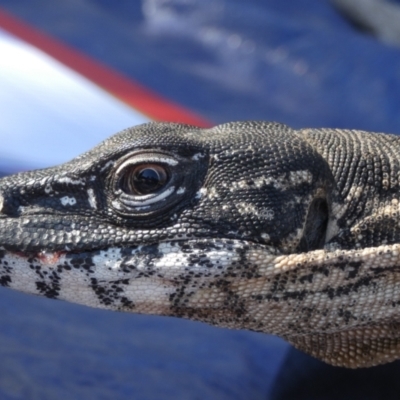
246 225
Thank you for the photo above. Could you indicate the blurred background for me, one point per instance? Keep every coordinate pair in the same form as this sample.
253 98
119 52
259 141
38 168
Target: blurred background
72 72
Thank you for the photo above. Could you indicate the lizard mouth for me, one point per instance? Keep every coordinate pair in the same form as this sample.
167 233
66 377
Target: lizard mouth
48 238
48 258
53 256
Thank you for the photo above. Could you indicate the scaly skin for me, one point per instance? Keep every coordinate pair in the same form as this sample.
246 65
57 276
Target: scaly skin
250 225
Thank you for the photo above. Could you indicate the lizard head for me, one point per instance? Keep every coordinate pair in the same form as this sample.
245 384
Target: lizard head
230 225
255 182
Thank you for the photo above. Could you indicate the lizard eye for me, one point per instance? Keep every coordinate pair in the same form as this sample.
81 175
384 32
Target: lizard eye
146 183
144 179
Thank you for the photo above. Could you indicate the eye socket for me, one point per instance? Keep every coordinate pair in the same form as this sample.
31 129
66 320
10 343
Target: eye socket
144 179
146 183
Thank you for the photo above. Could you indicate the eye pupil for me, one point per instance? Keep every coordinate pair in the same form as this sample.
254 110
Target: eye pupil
145 179
148 175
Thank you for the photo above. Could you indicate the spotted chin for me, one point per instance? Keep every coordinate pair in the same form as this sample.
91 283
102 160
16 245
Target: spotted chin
157 279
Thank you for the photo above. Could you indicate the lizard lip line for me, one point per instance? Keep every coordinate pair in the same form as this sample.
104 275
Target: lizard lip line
42 256
52 257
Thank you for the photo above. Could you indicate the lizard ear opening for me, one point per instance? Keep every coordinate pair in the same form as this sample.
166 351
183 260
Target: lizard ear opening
316 224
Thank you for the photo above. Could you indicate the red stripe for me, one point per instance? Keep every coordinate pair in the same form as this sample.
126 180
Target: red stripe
122 87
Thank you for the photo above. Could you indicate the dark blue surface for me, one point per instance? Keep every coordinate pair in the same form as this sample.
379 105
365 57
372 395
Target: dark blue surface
56 350
292 61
